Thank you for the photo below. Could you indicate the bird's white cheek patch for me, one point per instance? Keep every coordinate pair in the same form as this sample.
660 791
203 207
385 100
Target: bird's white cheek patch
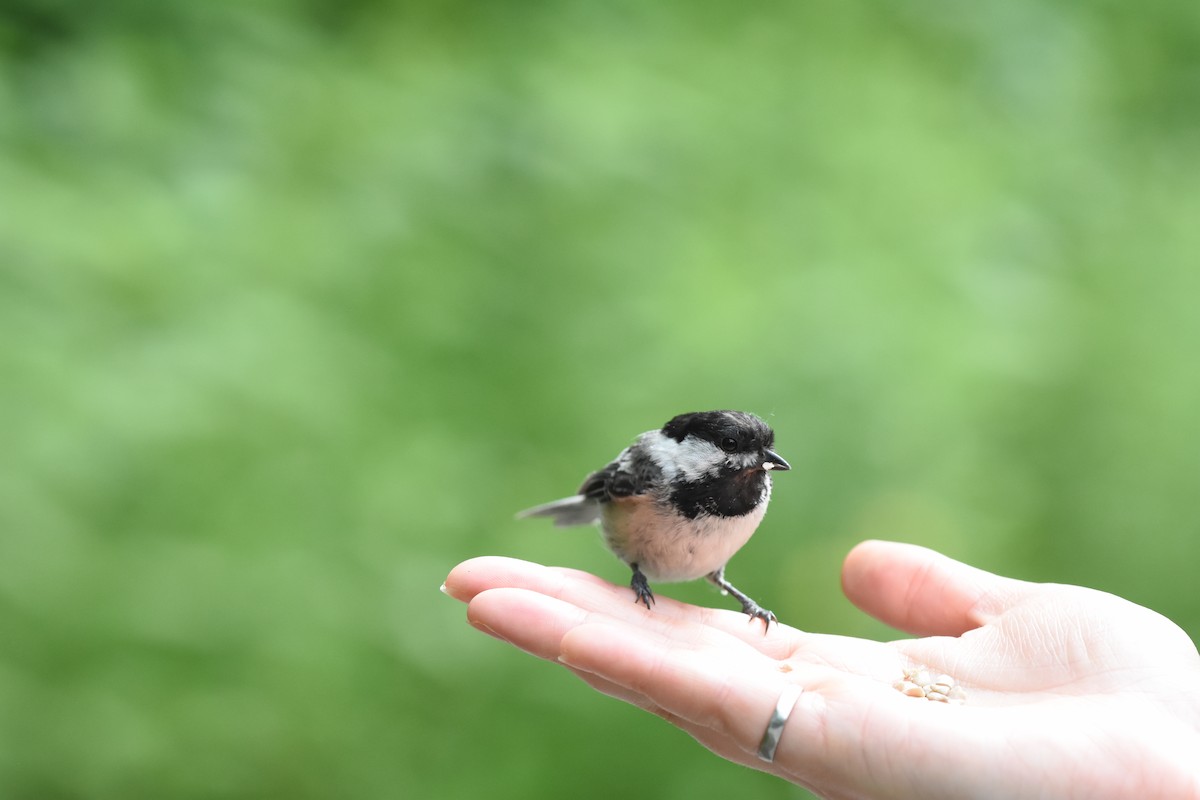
691 460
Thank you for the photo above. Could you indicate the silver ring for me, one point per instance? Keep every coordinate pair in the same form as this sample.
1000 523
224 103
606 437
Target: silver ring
783 709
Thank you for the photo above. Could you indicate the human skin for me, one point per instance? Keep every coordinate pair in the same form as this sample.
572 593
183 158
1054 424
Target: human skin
1070 692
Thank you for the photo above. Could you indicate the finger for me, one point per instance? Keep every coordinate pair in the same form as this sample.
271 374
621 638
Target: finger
730 688
924 592
529 620
716 741
489 572
594 594
537 624
725 700
494 610
586 593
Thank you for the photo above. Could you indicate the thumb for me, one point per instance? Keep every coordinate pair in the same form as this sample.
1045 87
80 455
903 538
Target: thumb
923 592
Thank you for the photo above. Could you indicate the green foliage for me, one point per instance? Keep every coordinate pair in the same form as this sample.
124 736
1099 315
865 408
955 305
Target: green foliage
299 302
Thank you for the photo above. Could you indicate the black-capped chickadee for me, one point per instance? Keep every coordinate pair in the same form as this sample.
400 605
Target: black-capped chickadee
679 502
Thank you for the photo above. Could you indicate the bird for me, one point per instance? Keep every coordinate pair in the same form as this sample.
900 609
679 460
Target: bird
680 501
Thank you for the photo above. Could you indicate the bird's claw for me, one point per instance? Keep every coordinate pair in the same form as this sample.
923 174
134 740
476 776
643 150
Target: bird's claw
755 611
641 590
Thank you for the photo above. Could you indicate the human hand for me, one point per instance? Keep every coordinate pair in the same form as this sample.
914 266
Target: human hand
1070 692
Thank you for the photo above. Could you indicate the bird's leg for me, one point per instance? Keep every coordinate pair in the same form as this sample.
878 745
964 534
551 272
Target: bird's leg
641 588
753 609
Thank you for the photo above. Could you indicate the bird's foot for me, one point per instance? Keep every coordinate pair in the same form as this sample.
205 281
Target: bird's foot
755 611
749 607
641 588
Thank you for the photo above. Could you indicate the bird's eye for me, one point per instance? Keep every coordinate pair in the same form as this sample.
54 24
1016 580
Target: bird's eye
729 444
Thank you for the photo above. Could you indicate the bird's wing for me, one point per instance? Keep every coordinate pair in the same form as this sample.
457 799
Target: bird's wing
629 474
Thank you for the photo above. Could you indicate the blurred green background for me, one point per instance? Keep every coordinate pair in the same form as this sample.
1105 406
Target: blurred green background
300 301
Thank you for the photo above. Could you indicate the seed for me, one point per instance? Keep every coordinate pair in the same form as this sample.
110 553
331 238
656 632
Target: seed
909 688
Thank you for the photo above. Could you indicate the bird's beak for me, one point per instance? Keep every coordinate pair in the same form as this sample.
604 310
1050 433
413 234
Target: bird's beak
774 461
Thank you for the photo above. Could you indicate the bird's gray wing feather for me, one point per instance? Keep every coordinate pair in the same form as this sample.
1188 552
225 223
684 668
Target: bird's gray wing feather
573 510
631 473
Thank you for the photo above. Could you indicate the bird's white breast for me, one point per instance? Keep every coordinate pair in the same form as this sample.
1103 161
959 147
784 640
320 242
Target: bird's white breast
668 547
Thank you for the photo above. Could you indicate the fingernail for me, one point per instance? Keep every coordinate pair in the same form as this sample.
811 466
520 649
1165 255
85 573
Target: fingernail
444 590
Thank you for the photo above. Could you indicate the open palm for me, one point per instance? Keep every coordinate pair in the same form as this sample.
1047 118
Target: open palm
1069 691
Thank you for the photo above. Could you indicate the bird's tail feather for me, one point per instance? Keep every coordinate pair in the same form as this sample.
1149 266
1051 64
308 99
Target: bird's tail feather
574 510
